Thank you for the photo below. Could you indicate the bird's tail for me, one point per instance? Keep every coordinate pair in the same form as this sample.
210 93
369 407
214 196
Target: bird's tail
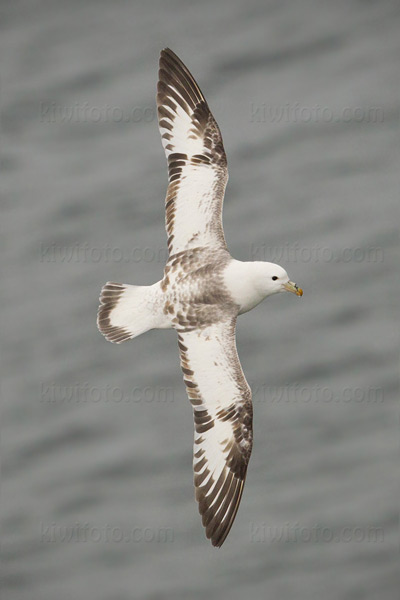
125 311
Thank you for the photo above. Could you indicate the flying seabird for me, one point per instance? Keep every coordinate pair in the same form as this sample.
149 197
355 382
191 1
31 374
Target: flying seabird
202 292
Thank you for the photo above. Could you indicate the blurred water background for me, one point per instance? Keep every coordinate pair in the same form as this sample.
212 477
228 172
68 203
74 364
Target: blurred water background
97 498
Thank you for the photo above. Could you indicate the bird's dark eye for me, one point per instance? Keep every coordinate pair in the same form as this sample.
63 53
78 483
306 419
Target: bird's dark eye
274 278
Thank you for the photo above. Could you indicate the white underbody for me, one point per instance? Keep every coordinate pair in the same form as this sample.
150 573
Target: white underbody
241 279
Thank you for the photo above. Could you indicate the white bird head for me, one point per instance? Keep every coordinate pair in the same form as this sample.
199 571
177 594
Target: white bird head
250 282
274 279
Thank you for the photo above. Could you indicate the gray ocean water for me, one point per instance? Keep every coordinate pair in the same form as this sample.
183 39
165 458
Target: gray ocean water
97 498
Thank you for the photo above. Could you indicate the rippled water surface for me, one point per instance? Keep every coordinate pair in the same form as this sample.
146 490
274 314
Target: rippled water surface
97 497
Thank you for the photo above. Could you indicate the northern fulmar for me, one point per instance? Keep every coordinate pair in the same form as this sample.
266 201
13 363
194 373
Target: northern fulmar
201 294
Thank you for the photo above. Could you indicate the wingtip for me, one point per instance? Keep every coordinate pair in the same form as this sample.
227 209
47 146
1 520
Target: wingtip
216 543
167 52
218 540
168 56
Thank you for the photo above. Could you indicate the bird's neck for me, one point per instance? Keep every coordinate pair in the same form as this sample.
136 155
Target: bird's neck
244 282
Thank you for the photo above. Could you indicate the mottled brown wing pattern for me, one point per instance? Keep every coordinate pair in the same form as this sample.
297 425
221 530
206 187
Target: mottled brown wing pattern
222 407
196 157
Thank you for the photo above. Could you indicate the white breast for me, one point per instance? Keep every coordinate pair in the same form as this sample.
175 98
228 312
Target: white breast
240 279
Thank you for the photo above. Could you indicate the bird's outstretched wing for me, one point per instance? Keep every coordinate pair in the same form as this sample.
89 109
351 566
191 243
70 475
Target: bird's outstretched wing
196 159
222 406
